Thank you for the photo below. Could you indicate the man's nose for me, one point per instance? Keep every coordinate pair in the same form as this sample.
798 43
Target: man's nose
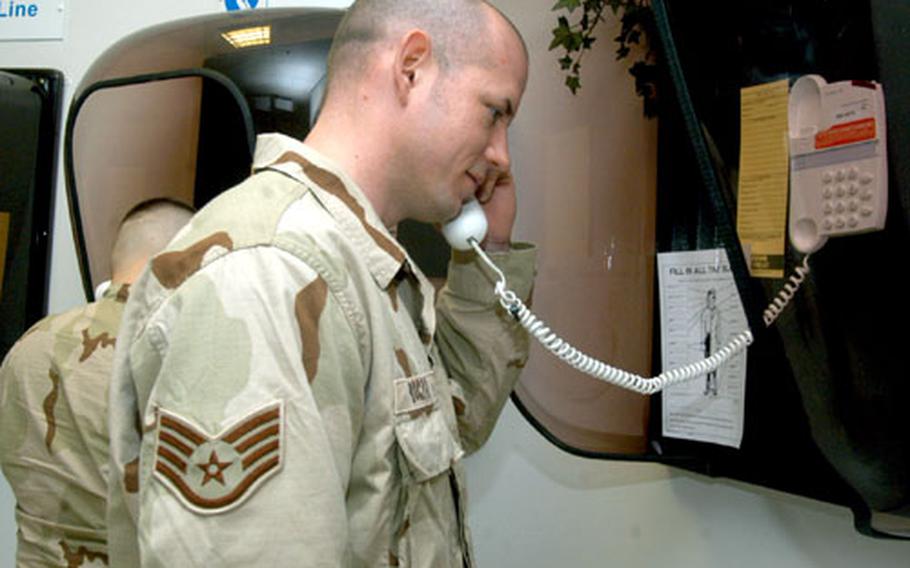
497 153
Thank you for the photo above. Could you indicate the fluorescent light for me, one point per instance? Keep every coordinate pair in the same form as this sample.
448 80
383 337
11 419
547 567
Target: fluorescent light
248 37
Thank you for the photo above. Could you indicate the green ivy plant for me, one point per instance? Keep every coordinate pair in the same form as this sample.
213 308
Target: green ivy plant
576 37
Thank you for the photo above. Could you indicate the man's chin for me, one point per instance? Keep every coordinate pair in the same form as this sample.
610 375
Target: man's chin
441 211
438 217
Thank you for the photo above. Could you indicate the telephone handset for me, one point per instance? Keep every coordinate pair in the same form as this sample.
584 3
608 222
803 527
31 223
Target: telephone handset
471 223
838 160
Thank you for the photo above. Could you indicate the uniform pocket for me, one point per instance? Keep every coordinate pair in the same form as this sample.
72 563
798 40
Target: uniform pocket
421 430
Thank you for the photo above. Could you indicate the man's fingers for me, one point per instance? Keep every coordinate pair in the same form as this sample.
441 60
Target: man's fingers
493 179
486 189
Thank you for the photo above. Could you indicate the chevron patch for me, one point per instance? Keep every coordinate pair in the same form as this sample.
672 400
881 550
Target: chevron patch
212 475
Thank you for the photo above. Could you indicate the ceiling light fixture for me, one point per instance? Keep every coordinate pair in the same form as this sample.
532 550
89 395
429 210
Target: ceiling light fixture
249 37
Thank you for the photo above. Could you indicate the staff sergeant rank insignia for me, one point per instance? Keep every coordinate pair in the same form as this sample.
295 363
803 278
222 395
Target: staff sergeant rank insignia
212 475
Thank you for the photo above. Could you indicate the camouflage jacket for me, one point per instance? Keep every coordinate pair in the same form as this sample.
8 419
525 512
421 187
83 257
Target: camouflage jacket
53 433
291 393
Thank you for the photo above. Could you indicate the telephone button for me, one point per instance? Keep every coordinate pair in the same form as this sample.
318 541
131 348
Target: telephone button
827 177
840 207
827 208
853 205
840 223
840 175
853 189
853 221
853 173
826 224
866 196
840 191
866 211
866 178
827 193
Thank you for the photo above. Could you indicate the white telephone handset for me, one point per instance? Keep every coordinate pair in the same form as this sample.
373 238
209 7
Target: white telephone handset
471 223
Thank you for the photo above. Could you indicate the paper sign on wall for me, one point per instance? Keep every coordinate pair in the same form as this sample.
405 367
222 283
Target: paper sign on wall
31 19
700 311
761 219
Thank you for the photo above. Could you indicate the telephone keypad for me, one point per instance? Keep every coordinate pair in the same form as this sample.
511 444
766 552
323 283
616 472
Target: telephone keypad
842 190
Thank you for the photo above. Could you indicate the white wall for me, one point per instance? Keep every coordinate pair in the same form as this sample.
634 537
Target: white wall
536 506
533 505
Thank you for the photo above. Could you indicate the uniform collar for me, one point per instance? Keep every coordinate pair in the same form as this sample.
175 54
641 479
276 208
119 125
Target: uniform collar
342 197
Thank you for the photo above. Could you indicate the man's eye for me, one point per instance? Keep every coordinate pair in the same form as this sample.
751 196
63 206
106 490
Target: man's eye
495 114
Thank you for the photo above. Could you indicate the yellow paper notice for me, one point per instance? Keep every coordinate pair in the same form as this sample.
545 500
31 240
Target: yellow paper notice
761 219
4 234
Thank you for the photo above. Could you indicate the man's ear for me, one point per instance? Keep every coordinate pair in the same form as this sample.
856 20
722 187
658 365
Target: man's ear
413 61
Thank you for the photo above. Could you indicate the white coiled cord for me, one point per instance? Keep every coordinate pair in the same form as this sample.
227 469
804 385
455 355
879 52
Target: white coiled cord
784 296
598 369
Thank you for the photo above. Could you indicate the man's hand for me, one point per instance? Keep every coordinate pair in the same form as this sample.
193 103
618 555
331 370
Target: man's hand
497 195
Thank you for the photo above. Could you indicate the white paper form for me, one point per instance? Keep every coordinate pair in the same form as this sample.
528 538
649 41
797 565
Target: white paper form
700 311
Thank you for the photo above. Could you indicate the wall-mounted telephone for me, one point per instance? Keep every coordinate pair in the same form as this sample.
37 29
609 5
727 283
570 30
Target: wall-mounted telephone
838 160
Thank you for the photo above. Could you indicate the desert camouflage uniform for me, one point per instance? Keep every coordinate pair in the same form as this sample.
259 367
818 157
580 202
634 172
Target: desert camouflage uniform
53 433
296 394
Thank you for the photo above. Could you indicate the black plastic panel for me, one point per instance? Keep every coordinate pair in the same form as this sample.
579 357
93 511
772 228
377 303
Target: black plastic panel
826 385
29 114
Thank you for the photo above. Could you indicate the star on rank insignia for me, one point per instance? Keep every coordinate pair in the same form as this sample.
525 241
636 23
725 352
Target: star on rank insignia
213 469
213 474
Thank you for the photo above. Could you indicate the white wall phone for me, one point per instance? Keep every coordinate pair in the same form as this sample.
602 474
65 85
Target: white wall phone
838 184
838 160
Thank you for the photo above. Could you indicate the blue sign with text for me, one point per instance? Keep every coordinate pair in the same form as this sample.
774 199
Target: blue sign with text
32 19
15 9
234 5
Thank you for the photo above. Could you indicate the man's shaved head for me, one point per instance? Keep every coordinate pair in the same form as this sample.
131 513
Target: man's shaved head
458 29
419 98
144 232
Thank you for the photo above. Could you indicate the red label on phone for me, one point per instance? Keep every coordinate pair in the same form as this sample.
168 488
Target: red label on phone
847 133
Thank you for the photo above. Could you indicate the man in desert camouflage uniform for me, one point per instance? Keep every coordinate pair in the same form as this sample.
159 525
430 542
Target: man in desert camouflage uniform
53 407
289 391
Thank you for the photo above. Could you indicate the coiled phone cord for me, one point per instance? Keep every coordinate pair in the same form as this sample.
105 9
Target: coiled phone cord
783 298
602 371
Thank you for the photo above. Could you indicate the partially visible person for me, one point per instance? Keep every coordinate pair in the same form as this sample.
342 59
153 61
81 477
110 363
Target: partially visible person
53 406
